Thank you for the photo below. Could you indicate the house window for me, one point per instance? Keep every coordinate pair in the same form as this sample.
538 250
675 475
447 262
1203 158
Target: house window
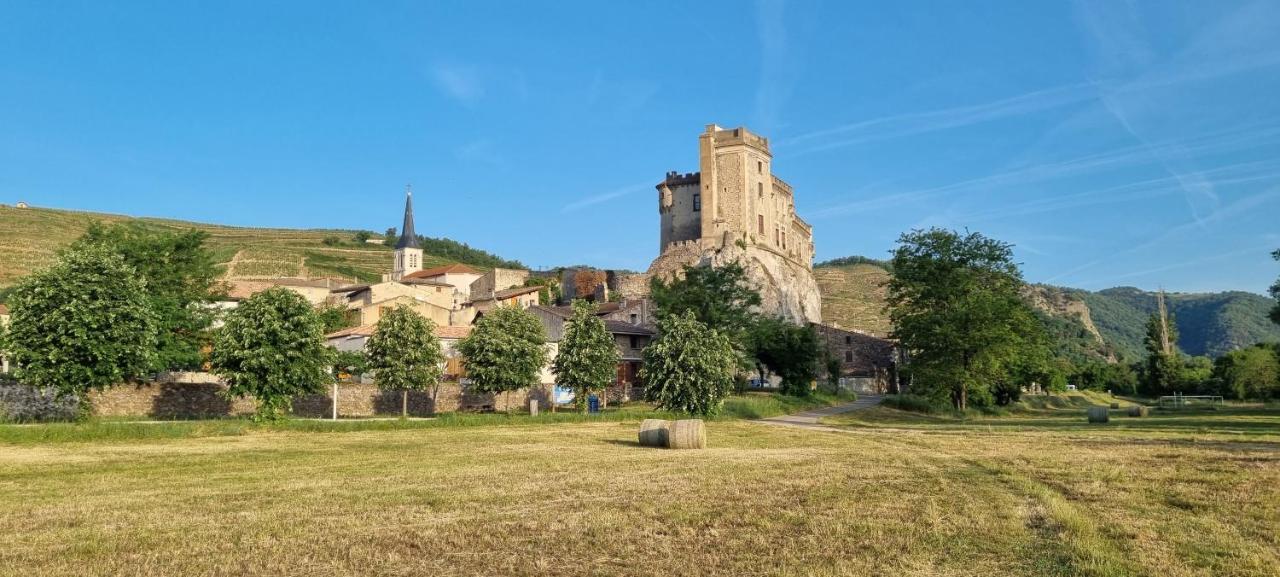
634 318
848 356
848 340
697 201
635 341
760 221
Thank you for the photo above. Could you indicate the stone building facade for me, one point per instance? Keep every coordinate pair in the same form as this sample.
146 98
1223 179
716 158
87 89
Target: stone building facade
735 209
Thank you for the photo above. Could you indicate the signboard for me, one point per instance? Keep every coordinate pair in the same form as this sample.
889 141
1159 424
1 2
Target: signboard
562 395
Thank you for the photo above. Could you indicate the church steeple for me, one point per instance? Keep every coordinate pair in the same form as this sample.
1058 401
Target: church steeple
408 238
408 253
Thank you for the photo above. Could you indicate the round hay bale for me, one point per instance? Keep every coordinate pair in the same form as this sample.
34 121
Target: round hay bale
1115 405
653 432
1099 414
1138 411
687 434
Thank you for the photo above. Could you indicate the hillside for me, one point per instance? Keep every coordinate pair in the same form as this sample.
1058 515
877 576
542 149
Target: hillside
1108 324
30 238
853 296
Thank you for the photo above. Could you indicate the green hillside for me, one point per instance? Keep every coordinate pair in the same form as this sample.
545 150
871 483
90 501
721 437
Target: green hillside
30 238
1108 324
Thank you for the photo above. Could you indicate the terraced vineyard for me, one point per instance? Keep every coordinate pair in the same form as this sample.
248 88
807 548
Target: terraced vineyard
30 238
853 295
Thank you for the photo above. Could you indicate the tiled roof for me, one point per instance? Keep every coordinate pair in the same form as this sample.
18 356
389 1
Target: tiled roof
515 292
624 328
445 332
455 268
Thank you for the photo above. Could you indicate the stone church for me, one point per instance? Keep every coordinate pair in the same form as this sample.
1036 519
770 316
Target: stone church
735 209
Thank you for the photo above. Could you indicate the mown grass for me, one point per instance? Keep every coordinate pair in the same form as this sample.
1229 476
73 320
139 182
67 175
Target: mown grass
581 498
748 406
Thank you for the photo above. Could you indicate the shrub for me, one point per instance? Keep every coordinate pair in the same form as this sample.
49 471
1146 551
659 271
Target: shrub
909 402
21 403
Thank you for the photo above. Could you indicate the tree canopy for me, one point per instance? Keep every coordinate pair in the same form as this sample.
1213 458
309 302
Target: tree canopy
404 353
271 347
587 360
791 351
1252 373
180 279
84 323
719 297
689 367
505 351
955 304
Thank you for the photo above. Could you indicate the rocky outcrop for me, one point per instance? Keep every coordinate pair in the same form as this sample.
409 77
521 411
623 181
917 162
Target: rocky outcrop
787 288
1060 303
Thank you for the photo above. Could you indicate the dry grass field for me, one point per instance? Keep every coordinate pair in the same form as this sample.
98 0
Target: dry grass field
886 494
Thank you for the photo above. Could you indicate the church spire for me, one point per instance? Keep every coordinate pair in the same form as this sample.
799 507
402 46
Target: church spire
408 238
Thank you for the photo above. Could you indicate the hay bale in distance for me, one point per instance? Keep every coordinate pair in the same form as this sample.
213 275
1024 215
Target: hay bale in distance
687 434
653 432
1115 405
1099 414
1138 411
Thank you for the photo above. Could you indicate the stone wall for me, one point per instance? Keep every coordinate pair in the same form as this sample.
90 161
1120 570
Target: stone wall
199 398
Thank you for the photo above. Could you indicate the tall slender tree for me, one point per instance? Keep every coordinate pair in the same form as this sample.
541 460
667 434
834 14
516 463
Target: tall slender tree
404 354
587 360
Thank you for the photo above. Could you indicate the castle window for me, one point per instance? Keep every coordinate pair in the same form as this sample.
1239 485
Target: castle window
760 220
759 167
784 240
760 189
697 201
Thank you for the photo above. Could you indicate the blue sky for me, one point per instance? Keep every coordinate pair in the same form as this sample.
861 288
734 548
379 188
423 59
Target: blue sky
1114 143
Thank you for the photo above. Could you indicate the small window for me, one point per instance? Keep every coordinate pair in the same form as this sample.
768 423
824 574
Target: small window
760 221
848 356
634 318
759 167
760 189
784 240
848 340
697 201
635 341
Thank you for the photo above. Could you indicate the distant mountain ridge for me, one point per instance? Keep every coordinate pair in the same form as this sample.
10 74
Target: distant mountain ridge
1108 324
31 237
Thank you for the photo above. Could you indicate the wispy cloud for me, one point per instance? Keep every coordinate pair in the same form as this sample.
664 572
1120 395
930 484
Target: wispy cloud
462 83
1122 157
777 70
604 197
914 123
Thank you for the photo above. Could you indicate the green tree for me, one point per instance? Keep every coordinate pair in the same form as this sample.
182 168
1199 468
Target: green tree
390 237
181 282
271 347
353 363
404 354
790 351
588 357
362 236
331 241
333 317
505 351
1162 374
955 305
1252 373
84 323
720 297
1275 293
690 367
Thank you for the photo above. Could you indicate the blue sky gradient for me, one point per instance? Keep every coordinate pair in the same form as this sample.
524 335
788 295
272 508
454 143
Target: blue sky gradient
1114 143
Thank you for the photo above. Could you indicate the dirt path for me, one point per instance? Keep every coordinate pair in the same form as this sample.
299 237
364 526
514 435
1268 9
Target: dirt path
809 419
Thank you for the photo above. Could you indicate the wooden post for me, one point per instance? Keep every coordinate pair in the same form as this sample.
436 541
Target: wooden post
533 407
335 400
404 404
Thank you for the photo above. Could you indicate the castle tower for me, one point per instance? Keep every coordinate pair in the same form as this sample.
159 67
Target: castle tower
408 253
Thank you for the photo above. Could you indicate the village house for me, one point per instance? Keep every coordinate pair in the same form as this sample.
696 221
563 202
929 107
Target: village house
354 339
631 337
868 364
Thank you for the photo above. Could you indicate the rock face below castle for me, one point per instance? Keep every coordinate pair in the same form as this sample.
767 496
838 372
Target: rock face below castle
735 209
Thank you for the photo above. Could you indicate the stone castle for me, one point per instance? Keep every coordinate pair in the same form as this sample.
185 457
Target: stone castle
735 209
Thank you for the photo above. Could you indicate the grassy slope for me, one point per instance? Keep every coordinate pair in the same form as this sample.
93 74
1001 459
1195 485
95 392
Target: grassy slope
30 237
583 499
854 296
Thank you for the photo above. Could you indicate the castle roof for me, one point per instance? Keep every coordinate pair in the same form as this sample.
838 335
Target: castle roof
408 238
